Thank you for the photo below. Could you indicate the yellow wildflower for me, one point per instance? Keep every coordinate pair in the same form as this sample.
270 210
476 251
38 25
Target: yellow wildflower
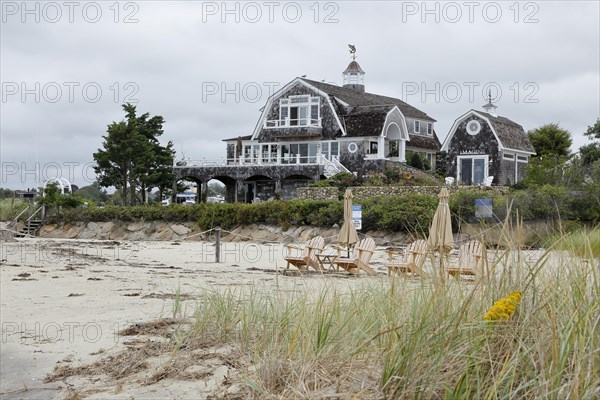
504 308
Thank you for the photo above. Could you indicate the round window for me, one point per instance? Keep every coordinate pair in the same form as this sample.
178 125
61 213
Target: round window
473 127
352 147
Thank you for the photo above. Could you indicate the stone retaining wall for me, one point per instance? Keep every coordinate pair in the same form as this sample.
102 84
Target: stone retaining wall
317 193
365 192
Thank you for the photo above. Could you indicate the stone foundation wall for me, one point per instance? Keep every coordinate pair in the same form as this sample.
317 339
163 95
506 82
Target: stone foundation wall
317 193
365 192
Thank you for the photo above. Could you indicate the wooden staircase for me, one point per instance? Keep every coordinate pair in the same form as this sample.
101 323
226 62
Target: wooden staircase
31 228
32 224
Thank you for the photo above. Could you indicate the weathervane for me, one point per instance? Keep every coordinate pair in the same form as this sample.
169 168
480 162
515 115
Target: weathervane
352 51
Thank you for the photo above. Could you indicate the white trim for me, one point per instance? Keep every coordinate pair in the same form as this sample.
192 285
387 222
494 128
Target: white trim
486 164
404 125
508 156
429 124
415 122
522 161
282 91
475 113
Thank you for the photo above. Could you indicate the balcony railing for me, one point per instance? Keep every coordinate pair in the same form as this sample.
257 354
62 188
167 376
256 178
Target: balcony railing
294 159
293 123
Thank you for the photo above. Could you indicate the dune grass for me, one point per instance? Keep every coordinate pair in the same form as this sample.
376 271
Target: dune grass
583 243
419 339
10 208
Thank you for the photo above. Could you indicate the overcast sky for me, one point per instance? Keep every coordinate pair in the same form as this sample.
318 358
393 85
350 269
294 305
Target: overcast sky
208 67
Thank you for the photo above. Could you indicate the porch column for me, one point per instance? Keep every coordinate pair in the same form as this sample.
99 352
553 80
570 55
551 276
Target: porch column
380 147
239 190
278 189
203 194
402 150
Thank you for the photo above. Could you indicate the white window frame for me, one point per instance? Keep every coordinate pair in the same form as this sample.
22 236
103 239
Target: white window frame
417 126
288 103
486 164
520 159
429 129
508 156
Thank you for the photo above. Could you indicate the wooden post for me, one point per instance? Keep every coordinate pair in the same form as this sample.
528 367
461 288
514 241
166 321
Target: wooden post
218 244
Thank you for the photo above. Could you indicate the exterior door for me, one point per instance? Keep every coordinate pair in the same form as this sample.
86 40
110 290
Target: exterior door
472 170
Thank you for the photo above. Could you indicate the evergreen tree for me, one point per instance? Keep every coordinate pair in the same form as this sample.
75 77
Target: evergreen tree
132 156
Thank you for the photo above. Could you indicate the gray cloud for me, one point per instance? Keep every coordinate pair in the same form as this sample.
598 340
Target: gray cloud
174 53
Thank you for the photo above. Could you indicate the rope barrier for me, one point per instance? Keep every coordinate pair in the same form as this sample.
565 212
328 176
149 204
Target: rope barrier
195 234
268 242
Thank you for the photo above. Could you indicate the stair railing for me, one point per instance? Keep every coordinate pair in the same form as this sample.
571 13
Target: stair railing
16 219
34 214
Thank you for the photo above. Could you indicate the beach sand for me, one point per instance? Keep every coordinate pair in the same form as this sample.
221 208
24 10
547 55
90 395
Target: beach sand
63 303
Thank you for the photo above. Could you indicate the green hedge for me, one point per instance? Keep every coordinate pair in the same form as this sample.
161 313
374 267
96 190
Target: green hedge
407 213
402 213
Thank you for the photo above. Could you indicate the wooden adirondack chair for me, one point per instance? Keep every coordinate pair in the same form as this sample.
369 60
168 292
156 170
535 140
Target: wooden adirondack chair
470 260
410 264
359 258
309 256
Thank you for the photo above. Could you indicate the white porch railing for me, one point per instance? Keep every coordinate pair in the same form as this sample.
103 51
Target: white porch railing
292 123
295 159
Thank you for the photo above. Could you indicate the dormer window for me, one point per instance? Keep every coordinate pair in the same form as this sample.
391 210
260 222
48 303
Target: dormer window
302 110
417 127
429 129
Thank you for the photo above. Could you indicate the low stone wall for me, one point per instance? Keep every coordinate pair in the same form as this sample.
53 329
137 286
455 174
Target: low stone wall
365 192
317 193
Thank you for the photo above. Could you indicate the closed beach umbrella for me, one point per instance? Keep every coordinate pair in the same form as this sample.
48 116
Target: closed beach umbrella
348 235
440 234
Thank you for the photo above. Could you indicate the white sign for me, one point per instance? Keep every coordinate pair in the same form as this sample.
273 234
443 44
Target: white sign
357 216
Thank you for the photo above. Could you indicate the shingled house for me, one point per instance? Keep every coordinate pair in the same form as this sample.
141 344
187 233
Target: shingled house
309 130
483 144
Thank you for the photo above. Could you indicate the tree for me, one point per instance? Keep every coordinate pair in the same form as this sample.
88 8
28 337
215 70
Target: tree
414 160
93 192
593 132
132 157
590 153
53 198
6 193
440 163
552 145
551 140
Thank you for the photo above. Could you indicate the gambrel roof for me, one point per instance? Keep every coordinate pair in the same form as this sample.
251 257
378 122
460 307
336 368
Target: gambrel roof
510 135
353 98
360 114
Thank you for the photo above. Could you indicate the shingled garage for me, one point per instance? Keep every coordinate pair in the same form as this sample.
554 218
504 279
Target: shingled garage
483 144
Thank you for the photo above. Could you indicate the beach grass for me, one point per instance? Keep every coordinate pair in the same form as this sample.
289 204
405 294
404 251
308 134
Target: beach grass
10 208
420 339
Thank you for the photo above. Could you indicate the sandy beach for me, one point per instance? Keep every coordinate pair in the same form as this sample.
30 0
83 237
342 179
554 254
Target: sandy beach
63 302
